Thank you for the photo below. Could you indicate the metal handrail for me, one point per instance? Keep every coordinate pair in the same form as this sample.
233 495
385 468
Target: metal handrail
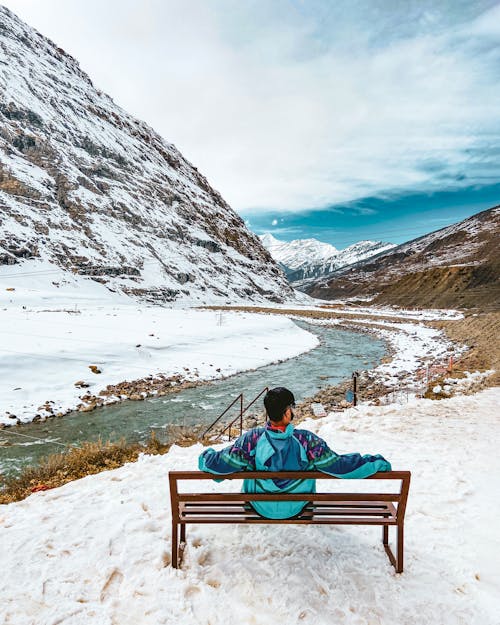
264 390
240 397
238 417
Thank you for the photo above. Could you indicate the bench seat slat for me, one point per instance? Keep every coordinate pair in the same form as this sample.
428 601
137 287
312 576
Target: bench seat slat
350 511
316 520
192 511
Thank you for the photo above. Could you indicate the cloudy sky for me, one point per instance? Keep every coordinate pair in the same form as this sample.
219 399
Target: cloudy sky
340 119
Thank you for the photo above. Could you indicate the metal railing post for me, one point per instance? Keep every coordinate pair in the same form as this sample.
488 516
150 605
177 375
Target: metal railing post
355 388
241 414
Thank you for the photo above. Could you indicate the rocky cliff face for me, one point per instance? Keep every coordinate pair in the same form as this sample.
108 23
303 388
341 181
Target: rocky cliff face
86 186
457 266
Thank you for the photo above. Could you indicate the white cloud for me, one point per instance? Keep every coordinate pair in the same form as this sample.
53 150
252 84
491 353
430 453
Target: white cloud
291 105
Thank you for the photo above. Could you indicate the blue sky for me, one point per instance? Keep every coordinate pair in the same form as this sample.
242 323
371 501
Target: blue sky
394 220
342 119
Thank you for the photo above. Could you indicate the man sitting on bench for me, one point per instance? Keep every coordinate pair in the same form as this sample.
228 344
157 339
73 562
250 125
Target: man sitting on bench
280 447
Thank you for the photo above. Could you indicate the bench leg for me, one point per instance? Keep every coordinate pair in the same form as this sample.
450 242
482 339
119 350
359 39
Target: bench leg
397 562
175 545
182 544
399 567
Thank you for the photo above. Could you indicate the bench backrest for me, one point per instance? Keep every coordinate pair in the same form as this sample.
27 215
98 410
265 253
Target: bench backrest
399 497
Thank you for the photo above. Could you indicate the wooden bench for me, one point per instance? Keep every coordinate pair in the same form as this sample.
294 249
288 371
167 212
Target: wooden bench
324 508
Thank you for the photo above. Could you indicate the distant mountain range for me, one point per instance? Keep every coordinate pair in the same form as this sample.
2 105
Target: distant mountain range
303 259
456 266
89 188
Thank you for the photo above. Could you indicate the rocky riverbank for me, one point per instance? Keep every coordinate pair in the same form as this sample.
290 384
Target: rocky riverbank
135 390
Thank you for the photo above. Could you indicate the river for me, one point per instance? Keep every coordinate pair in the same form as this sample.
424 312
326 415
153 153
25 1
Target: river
339 354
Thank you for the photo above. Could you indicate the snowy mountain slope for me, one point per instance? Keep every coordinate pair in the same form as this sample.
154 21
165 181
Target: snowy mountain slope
454 266
310 258
87 187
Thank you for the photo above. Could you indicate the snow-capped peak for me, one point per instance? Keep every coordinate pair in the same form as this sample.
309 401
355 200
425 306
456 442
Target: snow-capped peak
308 258
293 254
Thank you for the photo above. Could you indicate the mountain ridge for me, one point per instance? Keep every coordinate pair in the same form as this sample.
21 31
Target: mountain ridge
455 266
303 259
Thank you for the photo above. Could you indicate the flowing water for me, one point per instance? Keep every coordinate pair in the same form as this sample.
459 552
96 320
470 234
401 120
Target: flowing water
340 353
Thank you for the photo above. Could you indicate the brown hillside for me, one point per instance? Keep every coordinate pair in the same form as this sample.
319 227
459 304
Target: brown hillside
456 267
476 286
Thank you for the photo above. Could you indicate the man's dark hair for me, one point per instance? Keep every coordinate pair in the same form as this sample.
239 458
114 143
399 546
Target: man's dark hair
276 401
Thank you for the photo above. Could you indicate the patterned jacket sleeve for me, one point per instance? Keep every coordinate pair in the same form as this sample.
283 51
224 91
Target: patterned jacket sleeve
236 457
353 466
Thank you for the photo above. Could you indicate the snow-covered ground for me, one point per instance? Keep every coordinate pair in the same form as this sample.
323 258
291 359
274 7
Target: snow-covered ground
97 551
403 313
51 334
413 345
341 307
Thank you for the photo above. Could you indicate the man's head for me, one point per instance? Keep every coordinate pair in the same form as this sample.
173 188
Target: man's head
277 401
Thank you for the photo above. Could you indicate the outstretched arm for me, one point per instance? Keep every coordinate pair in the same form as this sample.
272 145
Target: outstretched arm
353 466
236 457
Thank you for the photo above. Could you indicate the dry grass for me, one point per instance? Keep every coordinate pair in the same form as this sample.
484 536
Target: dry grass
58 469
480 333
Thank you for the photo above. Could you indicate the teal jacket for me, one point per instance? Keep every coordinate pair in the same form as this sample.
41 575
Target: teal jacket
267 449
